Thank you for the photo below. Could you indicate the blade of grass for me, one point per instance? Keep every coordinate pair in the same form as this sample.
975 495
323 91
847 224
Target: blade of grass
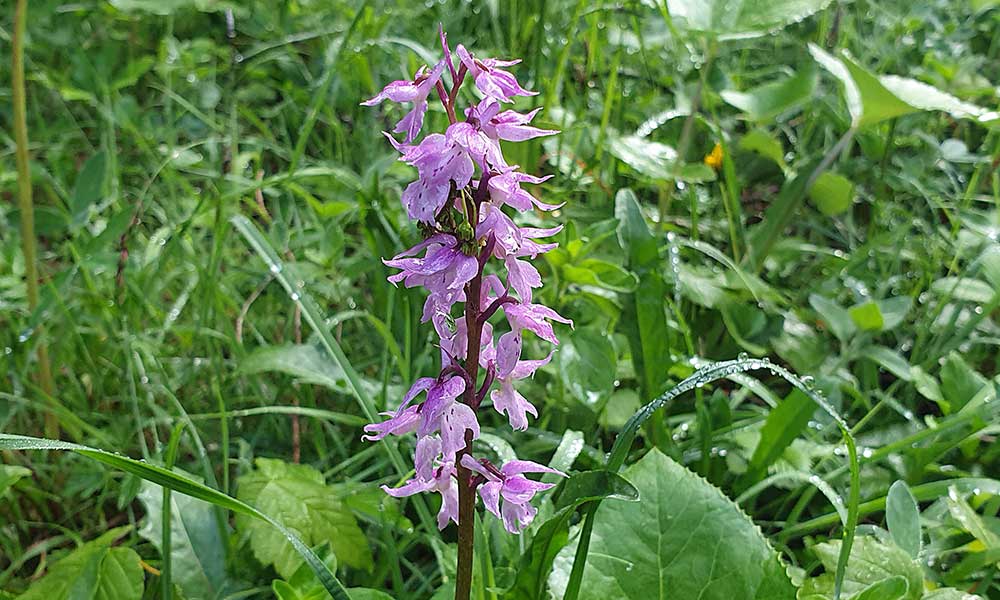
167 515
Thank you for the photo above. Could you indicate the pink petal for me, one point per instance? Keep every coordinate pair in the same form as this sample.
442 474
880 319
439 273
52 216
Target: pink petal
508 353
490 493
517 467
474 465
413 486
507 401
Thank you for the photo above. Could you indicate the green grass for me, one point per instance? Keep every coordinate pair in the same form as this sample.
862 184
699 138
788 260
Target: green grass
172 165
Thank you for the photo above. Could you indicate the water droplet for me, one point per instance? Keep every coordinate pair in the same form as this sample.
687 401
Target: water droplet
295 296
743 356
25 335
7 350
144 380
808 381
275 268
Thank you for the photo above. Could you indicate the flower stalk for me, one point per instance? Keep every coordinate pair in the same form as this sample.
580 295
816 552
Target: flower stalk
26 205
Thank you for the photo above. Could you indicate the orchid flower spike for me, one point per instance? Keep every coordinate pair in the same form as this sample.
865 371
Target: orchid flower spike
475 263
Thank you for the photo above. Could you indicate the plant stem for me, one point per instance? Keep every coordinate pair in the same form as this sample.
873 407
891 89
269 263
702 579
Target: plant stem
26 206
466 492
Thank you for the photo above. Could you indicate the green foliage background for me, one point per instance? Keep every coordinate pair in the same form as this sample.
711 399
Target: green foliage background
212 208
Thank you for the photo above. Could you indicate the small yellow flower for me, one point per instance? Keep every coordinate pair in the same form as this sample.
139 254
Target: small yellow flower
714 158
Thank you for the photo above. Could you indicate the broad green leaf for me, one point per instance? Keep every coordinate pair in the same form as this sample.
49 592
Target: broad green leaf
11 474
643 311
183 485
89 188
197 550
741 18
959 382
894 310
867 316
972 522
649 158
871 562
570 446
837 318
782 426
656 161
990 260
832 193
93 571
877 103
622 405
893 588
902 516
633 233
767 101
928 387
588 365
298 498
600 273
553 534
683 539
889 359
964 288
765 144
927 97
799 344
702 286
302 361
872 99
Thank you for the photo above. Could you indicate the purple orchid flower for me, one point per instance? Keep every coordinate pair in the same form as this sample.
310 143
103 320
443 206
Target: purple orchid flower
404 420
491 80
443 270
509 483
433 474
510 368
505 188
415 91
454 344
535 318
507 125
